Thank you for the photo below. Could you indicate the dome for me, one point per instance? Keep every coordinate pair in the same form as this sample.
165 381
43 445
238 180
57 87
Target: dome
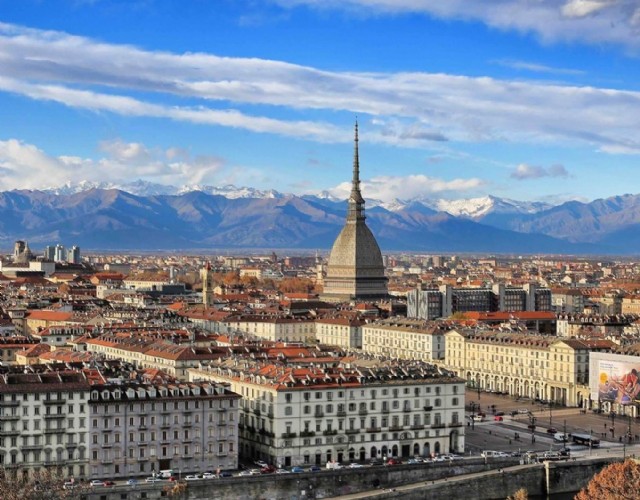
356 249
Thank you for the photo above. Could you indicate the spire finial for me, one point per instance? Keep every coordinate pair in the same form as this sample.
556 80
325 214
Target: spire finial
356 202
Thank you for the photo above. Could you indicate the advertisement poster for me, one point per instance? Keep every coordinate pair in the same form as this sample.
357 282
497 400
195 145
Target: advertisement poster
618 381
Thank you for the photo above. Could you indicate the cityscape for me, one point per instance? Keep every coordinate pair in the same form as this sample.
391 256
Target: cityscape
294 249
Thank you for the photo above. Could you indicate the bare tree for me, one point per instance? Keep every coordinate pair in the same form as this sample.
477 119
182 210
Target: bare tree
521 494
45 484
617 481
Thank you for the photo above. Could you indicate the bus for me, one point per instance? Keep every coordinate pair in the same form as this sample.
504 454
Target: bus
586 440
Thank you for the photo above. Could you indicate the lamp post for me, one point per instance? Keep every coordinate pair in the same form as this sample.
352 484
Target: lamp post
473 408
532 425
550 406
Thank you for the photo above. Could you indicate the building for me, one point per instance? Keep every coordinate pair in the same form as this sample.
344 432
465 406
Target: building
342 332
314 409
44 421
448 300
138 427
73 255
207 285
355 269
405 338
523 364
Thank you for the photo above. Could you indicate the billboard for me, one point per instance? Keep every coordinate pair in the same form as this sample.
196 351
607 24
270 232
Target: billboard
615 380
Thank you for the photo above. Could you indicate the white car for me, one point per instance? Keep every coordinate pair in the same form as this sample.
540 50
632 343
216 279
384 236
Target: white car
191 478
208 475
96 482
355 465
260 463
153 480
283 471
245 473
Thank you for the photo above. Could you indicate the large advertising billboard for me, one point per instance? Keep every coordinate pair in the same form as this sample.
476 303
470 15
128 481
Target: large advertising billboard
615 380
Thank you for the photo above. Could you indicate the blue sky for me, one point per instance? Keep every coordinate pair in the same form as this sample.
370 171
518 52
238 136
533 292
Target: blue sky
524 99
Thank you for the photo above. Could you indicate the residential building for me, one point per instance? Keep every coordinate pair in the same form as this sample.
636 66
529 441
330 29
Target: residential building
344 332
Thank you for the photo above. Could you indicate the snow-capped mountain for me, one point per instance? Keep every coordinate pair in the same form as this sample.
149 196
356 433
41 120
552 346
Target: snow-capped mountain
476 208
145 188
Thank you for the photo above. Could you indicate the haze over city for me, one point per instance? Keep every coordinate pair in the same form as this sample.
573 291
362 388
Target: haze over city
529 101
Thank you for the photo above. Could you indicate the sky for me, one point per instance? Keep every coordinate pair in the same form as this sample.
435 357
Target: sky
533 100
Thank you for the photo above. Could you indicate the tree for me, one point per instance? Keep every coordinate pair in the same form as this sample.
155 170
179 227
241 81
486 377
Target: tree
177 489
45 484
617 481
521 494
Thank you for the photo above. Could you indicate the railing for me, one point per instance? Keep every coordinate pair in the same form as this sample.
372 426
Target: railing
342 413
385 409
373 429
455 424
394 428
331 432
307 434
437 426
352 431
363 411
428 408
289 435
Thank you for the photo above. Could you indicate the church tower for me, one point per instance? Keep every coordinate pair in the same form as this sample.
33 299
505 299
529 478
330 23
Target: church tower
355 270
207 285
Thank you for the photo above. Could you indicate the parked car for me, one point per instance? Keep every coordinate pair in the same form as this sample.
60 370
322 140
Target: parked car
260 463
283 471
108 483
208 475
376 461
355 465
96 482
315 468
393 461
245 472
414 461
225 473
153 479
132 482
498 418
191 477
297 469
552 430
269 469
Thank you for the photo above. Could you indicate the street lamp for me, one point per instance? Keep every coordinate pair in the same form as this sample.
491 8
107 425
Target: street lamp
532 425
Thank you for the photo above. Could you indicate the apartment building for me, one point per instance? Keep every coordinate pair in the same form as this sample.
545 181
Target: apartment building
405 338
137 428
273 327
528 365
44 422
342 409
342 332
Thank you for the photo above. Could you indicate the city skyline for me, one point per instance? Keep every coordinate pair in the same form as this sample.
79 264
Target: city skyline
529 102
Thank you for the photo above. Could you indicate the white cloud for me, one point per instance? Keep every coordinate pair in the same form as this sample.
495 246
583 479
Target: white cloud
537 67
525 171
24 166
388 188
584 21
407 109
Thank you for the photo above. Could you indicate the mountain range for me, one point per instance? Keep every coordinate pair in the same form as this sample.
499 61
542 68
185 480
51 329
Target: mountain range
146 216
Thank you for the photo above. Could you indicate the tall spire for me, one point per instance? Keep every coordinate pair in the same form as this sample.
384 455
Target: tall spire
356 201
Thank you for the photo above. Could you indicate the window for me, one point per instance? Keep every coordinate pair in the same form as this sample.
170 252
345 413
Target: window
288 410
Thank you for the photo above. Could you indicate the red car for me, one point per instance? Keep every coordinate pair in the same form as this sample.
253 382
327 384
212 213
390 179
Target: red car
269 469
108 483
393 461
498 418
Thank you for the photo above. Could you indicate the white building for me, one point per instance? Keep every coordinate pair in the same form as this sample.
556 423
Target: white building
328 410
342 332
405 338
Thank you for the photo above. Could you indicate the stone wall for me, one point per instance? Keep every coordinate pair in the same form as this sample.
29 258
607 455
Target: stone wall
414 482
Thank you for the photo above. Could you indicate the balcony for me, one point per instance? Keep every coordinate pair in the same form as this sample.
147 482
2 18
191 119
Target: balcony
10 432
363 411
31 447
288 435
342 413
52 416
385 409
438 426
222 409
7 404
428 408
417 427
55 430
395 428
7 418
373 429
352 431
257 411
55 401
220 423
318 414
330 432
305 434
142 427
455 424
165 425
407 409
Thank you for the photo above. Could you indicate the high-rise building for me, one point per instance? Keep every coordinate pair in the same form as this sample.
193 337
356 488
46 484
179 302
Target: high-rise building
355 269
49 252
73 255
60 254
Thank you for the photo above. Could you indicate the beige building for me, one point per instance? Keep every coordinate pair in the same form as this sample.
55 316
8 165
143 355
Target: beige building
526 365
273 328
405 339
342 332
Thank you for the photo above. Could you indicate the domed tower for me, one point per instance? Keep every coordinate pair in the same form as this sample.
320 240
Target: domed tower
355 269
